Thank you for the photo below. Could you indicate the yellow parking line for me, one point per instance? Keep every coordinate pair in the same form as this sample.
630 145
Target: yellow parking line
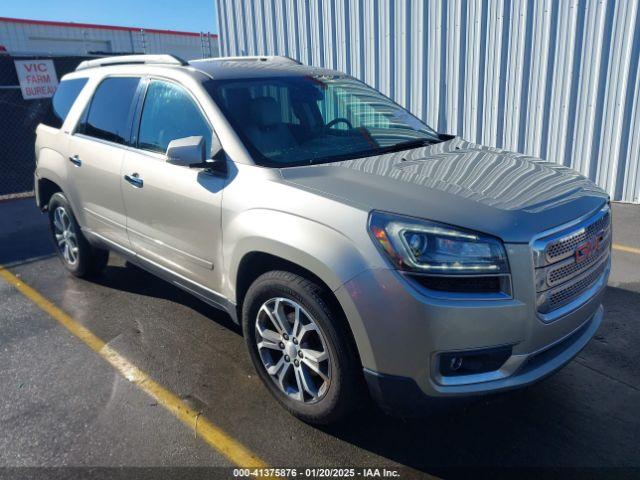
625 248
234 451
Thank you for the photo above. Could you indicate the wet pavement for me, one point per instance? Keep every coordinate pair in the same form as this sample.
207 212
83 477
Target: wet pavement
61 404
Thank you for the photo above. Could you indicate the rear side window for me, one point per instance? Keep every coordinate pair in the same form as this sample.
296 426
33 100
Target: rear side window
109 114
170 113
65 95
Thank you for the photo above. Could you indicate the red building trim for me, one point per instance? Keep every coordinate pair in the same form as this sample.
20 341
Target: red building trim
99 27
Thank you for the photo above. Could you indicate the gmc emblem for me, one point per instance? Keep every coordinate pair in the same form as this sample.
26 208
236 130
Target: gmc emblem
588 248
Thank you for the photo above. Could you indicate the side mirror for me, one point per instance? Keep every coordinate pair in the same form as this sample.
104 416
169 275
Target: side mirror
186 151
190 152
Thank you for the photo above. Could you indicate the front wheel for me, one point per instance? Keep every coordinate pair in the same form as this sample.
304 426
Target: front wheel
301 348
76 253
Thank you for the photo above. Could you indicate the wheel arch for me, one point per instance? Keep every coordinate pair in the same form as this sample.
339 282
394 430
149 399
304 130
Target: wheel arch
257 240
45 189
51 171
255 263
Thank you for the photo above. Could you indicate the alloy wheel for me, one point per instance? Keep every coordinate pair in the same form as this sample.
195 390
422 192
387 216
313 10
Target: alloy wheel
293 350
65 235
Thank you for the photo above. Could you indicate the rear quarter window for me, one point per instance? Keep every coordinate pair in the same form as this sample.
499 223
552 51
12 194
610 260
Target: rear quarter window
63 100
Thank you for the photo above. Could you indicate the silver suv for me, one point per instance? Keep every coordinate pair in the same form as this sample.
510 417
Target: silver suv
358 248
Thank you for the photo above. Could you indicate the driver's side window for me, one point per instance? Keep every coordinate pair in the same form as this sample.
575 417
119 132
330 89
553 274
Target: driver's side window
169 113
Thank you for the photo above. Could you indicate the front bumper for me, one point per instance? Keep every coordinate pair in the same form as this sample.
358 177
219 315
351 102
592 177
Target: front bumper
402 395
400 333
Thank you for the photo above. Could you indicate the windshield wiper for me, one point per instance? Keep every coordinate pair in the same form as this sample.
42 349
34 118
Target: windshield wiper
365 153
422 142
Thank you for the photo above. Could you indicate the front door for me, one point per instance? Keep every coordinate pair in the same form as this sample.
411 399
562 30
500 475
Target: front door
173 212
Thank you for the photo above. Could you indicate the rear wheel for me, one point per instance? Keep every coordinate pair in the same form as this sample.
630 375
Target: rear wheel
76 253
300 347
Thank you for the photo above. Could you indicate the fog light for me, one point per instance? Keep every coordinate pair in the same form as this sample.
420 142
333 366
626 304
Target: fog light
473 362
455 364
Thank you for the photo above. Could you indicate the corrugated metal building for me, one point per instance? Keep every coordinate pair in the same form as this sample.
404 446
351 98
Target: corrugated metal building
552 78
34 37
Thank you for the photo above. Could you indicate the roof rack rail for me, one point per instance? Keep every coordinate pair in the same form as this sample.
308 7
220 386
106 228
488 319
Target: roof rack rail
254 58
132 60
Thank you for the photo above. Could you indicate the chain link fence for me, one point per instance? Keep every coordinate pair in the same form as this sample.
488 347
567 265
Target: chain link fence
18 121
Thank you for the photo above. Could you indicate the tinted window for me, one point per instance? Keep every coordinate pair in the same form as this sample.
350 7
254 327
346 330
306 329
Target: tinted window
65 95
169 113
109 115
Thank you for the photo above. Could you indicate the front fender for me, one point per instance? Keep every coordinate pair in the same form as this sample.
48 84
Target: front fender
319 248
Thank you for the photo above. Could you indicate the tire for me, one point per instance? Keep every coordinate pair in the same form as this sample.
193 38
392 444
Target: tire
324 331
81 259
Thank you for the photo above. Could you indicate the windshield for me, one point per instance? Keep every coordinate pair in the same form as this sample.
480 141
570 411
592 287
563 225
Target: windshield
288 121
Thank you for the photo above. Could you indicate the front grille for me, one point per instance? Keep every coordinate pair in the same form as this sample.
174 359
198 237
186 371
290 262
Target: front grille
567 269
558 297
572 262
566 245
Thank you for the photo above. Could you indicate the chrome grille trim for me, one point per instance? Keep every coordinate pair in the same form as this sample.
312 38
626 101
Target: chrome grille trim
567 235
559 296
562 282
566 246
567 269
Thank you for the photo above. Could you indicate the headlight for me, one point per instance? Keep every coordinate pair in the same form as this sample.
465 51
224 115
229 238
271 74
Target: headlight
436 248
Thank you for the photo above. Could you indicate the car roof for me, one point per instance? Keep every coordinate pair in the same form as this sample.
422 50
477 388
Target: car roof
256 67
212 68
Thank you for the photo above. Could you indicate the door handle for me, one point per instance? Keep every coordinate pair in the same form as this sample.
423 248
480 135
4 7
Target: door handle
76 160
134 179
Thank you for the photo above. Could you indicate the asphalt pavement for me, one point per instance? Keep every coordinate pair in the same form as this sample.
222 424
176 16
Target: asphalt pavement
61 404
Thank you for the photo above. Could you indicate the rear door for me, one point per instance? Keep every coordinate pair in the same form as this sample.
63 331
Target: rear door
96 150
53 140
173 212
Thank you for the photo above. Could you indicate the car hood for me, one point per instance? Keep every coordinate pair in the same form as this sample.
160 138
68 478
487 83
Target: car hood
505 194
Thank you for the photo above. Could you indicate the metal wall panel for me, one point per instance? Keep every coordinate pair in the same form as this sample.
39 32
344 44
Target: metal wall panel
556 79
